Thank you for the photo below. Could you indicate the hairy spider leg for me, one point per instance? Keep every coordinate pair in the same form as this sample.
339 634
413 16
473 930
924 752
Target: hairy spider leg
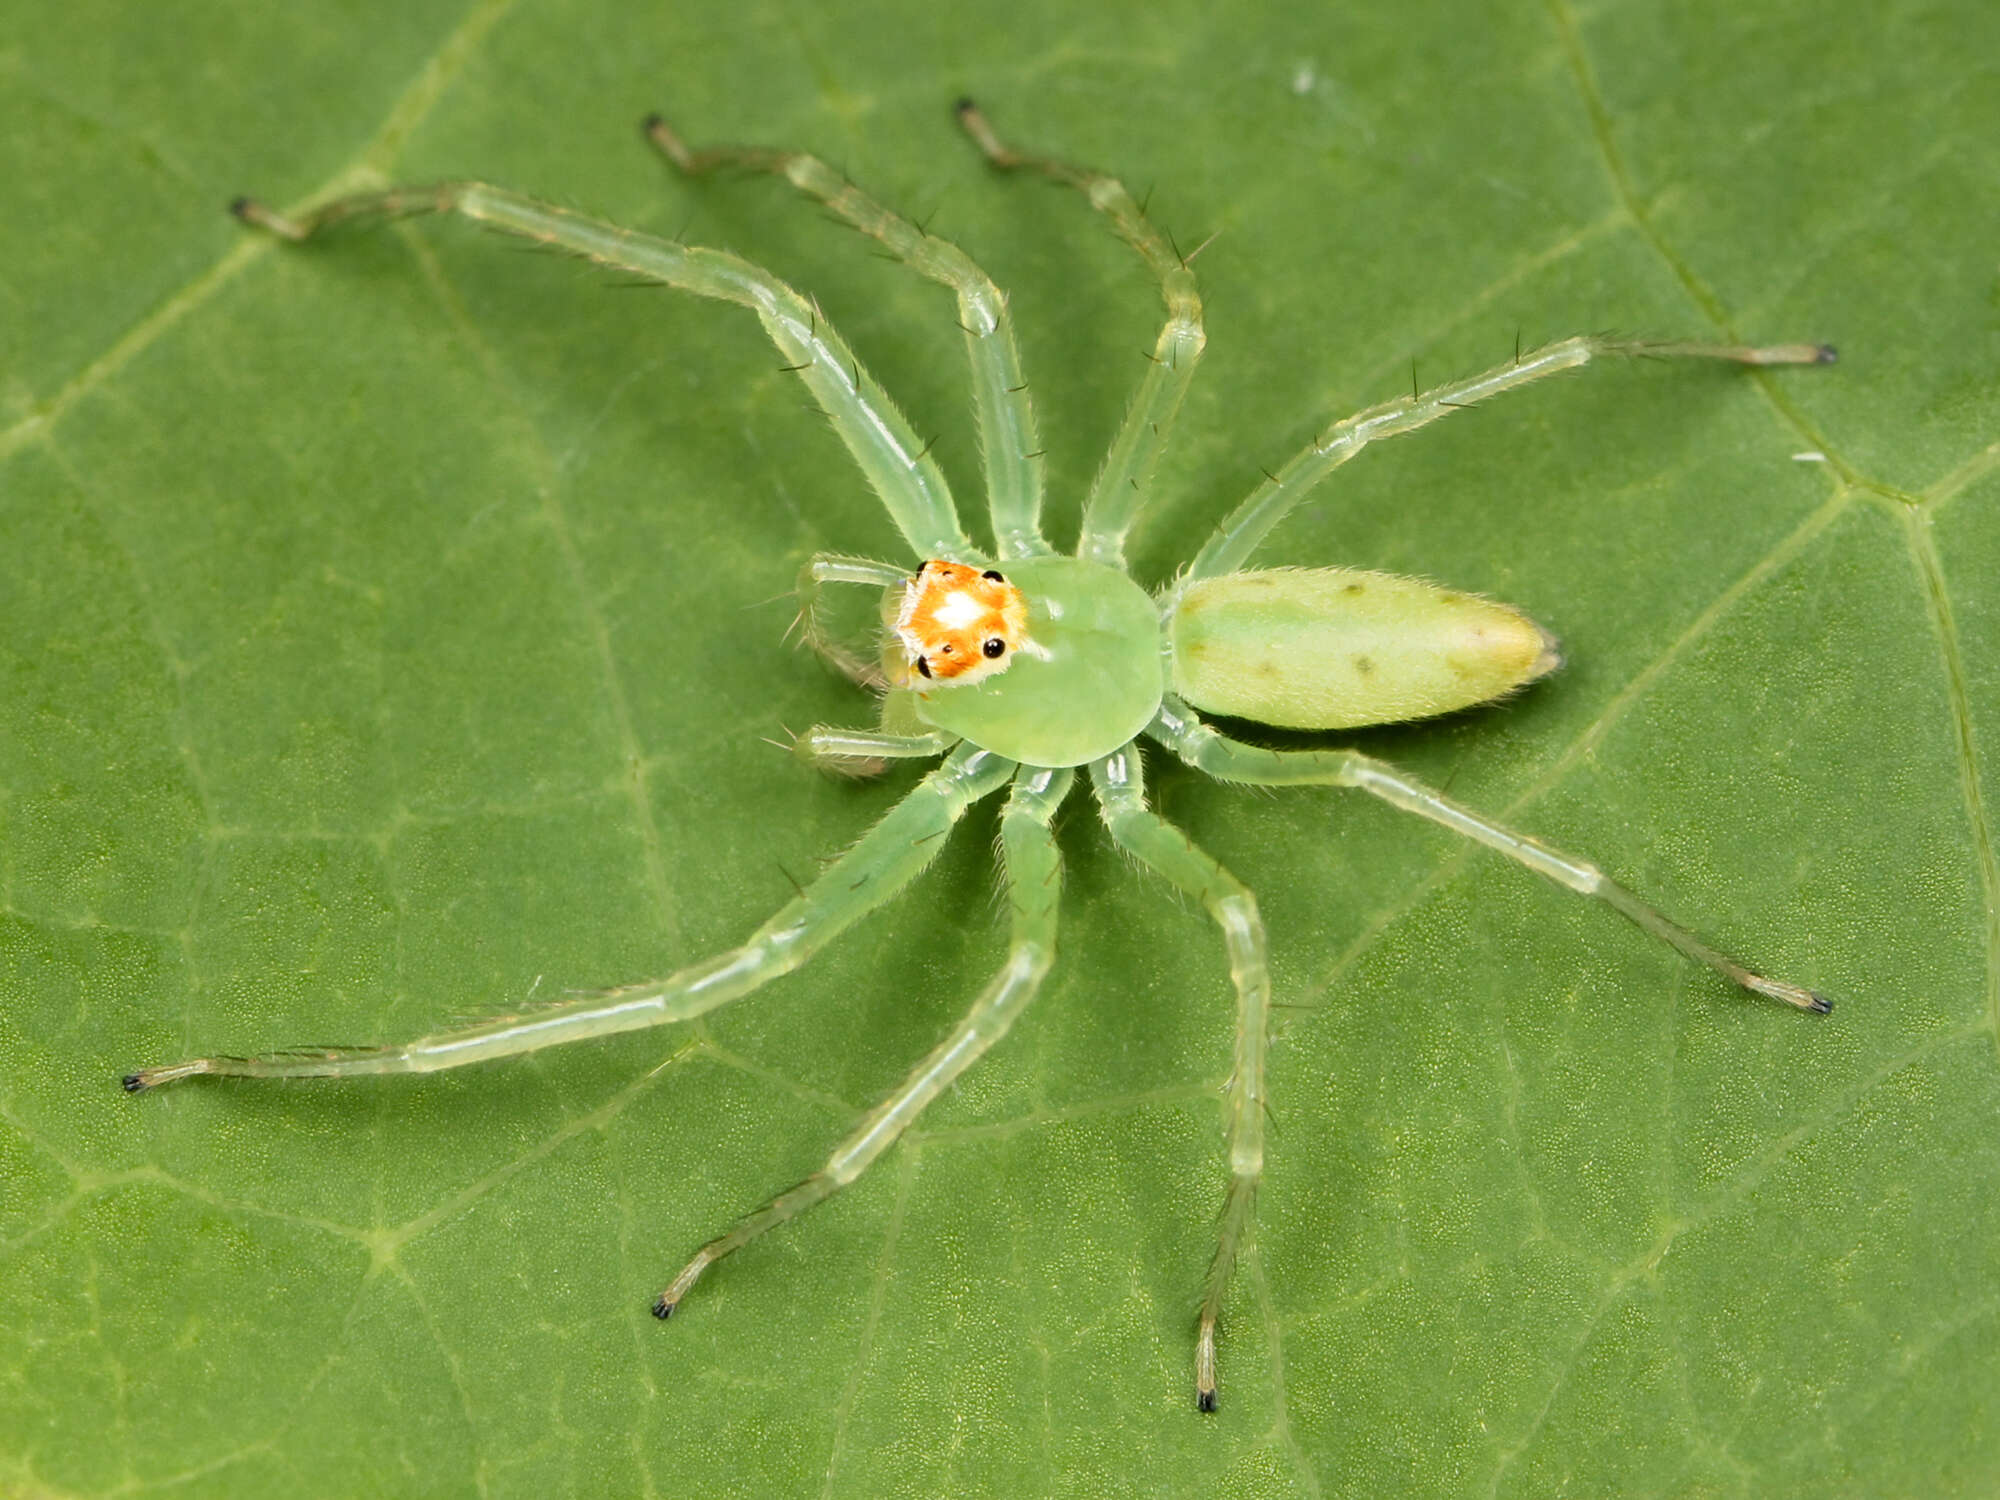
1245 528
862 668
885 860
1231 760
1033 870
1005 410
897 466
1164 849
1124 485
866 752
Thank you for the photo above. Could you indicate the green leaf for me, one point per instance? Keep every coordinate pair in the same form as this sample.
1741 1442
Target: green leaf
388 629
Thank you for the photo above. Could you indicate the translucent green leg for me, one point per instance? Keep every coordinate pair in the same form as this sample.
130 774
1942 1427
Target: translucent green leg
862 668
1161 847
1124 485
897 466
1230 760
1000 396
888 856
1247 526
866 752
1034 882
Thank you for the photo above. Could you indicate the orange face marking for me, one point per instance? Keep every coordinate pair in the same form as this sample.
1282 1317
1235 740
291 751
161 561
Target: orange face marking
959 624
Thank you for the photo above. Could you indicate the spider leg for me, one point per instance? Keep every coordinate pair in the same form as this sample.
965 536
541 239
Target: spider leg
1123 486
1245 528
1006 413
887 857
898 467
862 668
1161 847
1231 760
1034 882
866 752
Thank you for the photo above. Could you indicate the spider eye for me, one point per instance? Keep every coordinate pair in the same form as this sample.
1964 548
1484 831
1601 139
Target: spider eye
994 646
989 573
923 667
944 650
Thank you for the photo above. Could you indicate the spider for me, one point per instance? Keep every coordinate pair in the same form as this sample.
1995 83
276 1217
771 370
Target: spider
1021 667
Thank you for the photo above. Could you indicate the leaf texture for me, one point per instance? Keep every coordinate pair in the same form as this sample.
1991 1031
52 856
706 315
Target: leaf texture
388 628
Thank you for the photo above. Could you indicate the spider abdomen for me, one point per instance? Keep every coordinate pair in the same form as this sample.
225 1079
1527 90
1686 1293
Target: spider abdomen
1337 648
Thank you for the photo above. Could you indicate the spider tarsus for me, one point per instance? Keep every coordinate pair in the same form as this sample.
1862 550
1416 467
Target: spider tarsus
667 141
663 1309
974 123
254 212
1205 1400
1791 994
152 1078
1792 354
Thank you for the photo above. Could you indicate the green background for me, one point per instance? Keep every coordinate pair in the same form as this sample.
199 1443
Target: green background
387 632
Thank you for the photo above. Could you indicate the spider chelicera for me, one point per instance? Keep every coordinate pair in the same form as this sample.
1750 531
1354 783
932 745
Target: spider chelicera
1021 666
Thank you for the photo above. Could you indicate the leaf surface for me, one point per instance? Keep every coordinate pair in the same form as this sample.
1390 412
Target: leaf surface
388 629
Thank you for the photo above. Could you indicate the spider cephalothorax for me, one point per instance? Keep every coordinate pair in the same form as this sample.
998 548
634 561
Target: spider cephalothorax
1021 678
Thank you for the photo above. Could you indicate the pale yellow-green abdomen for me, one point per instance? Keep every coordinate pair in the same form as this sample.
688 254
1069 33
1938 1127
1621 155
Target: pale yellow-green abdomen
1337 648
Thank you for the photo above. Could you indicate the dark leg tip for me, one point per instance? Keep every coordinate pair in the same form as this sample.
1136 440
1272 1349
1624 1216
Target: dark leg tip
1821 1006
662 1309
1205 1401
133 1082
964 104
241 207
1828 355
651 123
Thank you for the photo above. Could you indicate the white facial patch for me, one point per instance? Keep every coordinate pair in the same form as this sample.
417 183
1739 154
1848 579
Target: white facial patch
958 610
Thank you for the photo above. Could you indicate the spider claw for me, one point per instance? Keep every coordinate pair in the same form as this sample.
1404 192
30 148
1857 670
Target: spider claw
1791 994
662 1308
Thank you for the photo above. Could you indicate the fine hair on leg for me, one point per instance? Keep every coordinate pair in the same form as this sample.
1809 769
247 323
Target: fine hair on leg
885 860
1033 872
898 467
1164 849
1124 485
1231 760
1245 528
1001 402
